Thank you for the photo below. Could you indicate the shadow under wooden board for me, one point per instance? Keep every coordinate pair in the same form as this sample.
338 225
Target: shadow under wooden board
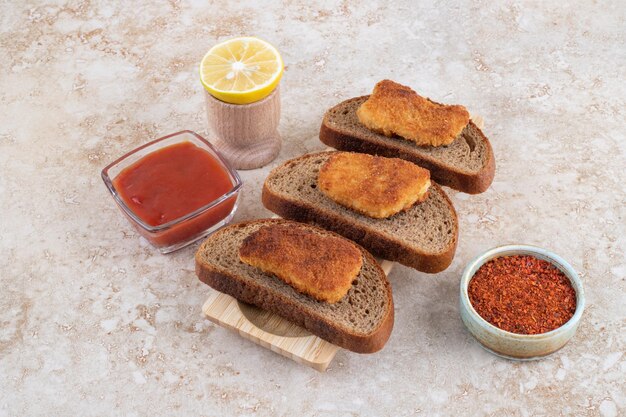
272 331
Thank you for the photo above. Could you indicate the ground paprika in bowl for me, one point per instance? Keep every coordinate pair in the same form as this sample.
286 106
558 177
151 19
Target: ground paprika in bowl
520 301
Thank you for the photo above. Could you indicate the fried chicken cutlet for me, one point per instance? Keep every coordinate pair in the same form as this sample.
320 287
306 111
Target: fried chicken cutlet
375 186
394 109
317 265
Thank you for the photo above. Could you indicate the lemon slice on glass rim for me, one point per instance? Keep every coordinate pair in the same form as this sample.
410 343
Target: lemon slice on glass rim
241 70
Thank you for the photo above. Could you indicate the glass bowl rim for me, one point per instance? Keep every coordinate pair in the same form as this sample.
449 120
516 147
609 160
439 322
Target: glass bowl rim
109 183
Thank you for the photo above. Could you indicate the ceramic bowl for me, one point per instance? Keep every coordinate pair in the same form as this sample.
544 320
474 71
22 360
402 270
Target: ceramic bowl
513 345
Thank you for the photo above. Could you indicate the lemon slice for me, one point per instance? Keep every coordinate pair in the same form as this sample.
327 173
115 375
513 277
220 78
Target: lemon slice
241 70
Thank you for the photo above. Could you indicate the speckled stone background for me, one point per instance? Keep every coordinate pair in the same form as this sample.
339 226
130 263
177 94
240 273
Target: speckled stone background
94 321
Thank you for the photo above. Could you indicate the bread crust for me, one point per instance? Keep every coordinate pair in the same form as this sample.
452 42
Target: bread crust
471 183
377 243
275 302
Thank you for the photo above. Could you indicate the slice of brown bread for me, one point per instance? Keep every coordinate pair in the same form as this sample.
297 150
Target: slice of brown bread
361 321
467 164
423 237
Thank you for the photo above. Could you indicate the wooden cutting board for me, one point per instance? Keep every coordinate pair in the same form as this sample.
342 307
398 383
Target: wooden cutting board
272 331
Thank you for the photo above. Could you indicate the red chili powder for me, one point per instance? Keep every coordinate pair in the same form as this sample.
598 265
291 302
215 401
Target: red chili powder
522 294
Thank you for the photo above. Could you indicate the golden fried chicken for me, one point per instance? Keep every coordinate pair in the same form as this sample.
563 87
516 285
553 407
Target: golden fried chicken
375 186
315 264
394 109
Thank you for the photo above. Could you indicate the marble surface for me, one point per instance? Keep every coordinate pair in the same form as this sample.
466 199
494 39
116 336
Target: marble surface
94 321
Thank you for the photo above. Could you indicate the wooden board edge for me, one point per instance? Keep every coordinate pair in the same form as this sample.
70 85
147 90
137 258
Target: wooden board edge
309 350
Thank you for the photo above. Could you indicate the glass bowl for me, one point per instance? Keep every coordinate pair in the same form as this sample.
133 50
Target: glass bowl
192 226
513 345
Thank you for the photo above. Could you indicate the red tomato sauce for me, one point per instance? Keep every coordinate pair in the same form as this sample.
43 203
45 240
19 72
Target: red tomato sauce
172 182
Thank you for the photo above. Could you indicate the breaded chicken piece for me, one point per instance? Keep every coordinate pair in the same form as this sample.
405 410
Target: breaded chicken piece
375 186
394 109
317 265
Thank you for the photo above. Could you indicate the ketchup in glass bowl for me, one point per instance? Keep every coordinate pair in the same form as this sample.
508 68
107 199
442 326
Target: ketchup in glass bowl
174 190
